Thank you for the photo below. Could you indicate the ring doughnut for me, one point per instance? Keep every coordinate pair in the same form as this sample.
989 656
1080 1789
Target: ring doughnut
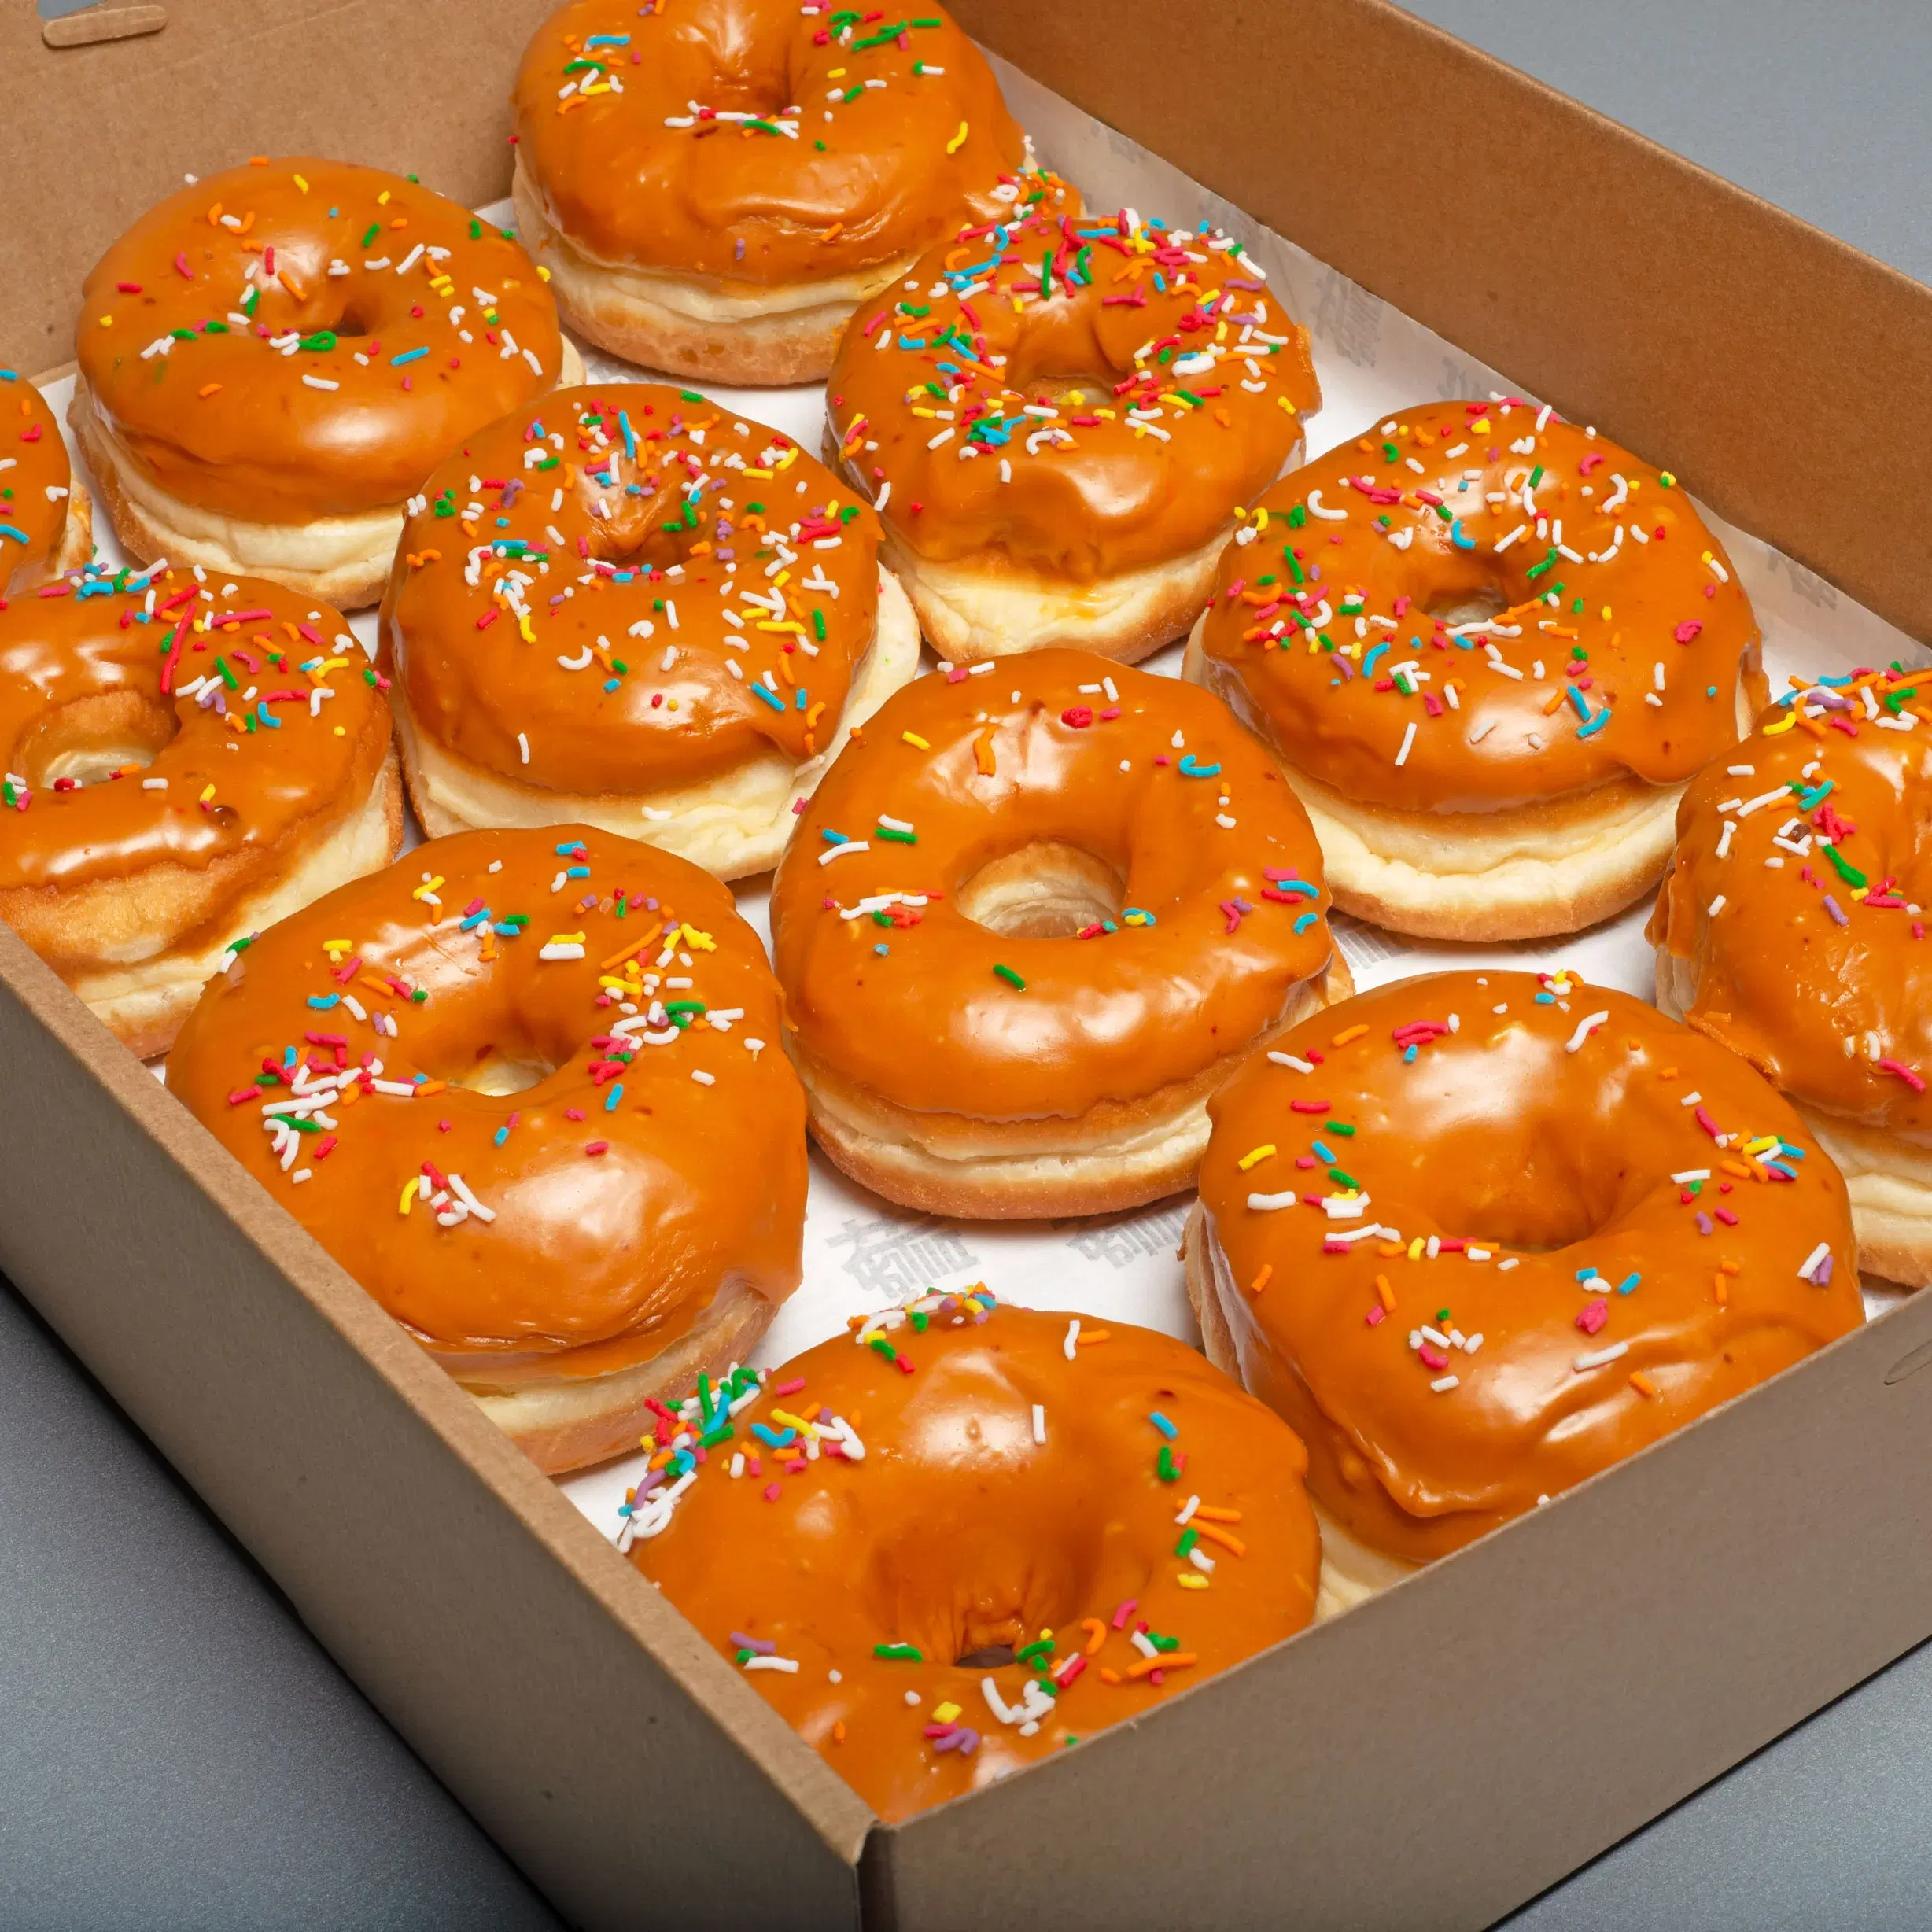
1028 922
186 762
1478 1235
714 189
980 1534
640 612
272 360
1057 417
1791 927
1491 649
557 1045
47 516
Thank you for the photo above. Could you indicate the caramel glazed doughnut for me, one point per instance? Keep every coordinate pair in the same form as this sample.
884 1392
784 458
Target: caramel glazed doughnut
522 1086
1791 927
1491 649
272 360
185 761
969 1535
1029 920
1058 416
47 516
1479 1235
642 612
716 187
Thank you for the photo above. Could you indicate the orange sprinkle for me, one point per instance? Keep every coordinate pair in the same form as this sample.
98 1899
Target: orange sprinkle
1168 1660
1720 1292
1204 1512
208 390
1667 1073
1385 1293
1643 1386
631 952
429 1087
1735 1167
982 752
1730 1267
289 282
1087 1337
1217 1535
1347 1034
1261 1281
838 1729
1096 1634
1109 1677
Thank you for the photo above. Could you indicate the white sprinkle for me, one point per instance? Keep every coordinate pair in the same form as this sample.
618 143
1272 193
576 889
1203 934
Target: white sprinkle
321 382
1690 1100
1039 1422
790 1664
523 747
1584 1029
1288 1060
1072 1342
1690 1174
1269 1204
1813 1260
1599 1356
1443 1384
703 1078
840 851
1408 738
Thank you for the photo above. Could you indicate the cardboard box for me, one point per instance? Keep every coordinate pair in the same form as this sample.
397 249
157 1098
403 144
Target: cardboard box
1434 1757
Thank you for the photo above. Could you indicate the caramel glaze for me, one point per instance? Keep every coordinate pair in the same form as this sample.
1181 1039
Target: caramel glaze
672 513
1499 1141
209 688
1030 752
962 1532
1365 565
1138 319
223 419
1820 940
625 1195
868 180
34 479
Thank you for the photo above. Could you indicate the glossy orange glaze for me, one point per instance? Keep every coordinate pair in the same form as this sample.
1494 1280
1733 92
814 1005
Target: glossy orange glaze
1017 1488
486 606
1121 471
1823 808
214 682
226 420
906 998
1535 1164
624 1196
34 483
1311 619
635 175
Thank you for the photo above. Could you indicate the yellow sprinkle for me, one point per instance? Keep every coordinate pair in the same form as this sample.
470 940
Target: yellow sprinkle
543 273
1191 1579
1255 1154
409 1193
523 628
206 795
945 1713
428 885
335 948
301 183
1415 1249
107 322
958 141
1783 725
920 744
785 1419
703 940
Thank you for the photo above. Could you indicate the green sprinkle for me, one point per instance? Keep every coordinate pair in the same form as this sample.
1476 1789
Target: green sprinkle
1849 873
1012 978
1341 1127
899 1653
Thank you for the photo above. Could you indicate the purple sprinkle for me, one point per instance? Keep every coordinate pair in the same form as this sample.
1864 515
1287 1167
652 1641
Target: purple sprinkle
757 1644
1341 664
1704 1224
1246 282
1836 910
1821 1275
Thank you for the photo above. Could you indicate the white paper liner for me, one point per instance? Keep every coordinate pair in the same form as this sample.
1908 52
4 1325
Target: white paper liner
861 1253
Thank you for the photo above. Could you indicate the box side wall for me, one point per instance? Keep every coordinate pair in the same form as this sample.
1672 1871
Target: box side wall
91 136
603 1743
1761 360
1449 1749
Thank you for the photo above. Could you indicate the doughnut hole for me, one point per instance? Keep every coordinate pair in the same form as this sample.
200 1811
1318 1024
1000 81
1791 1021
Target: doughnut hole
1046 889
987 1562
93 737
497 1072
480 1042
1471 604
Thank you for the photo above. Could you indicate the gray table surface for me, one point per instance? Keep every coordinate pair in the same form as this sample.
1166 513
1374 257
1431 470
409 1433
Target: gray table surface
176 1751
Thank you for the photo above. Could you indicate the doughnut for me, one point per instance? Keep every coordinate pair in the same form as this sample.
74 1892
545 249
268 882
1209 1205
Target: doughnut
715 188
1032 917
273 358
187 761
1821 975
521 1086
1491 649
967 1534
706 610
1478 1235
47 517
1057 417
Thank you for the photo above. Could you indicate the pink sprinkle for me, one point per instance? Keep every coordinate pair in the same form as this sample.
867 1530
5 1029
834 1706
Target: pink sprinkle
1309 1107
598 1147
1594 1315
1376 1316
182 267
1728 1219
1433 1357
1687 631
790 1388
1710 1126
1126 1609
773 1491
1903 1072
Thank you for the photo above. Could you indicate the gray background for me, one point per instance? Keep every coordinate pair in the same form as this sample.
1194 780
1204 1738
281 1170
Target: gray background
175 1751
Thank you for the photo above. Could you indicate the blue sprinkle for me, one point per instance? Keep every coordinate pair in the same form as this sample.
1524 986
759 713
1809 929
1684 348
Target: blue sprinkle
833 838
758 690
501 1135
1628 1282
799 706
408 356
610 684
1408 1054
261 711
1191 767
474 920
1296 885
1586 1274
1321 1153
576 872
882 950
1457 537
1580 702
1306 921
1597 723
1161 1423
323 1002
774 1439
7 529
1545 999
570 849
612 1098
630 440
1368 663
